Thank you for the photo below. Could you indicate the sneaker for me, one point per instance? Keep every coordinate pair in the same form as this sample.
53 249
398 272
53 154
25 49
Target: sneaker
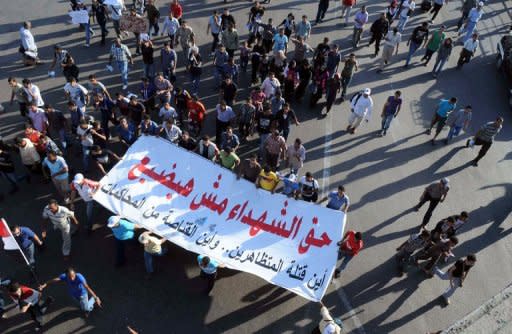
87 45
446 300
379 70
433 142
467 142
428 132
125 87
337 273
416 208
446 141
474 163
384 133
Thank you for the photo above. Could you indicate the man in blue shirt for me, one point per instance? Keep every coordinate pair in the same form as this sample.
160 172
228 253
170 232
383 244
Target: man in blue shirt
338 200
25 237
127 132
208 271
58 172
78 289
123 231
444 108
280 42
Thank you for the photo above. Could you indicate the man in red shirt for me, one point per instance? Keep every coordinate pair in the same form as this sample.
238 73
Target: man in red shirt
350 246
176 10
196 112
29 300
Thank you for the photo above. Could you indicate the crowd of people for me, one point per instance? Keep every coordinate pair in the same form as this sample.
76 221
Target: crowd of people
172 109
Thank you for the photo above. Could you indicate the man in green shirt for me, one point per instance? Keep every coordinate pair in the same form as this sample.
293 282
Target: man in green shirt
433 44
228 158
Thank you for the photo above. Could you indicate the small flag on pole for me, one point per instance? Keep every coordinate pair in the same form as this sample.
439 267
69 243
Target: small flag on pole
8 239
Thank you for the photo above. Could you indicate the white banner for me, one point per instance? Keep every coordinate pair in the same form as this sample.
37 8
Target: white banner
203 208
79 16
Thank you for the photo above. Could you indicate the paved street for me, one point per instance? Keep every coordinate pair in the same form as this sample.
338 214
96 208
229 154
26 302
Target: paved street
384 178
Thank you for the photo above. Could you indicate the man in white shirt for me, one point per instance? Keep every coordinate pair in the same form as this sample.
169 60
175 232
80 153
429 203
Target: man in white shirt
28 47
361 106
77 93
33 92
38 118
468 50
116 11
86 189
295 156
171 26
270 85
84 132
60 217
474 16
170 131
391 42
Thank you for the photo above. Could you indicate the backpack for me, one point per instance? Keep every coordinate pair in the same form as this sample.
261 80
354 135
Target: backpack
356 96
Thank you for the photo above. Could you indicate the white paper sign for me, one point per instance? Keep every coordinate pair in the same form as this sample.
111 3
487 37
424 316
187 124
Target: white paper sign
203 208
79 16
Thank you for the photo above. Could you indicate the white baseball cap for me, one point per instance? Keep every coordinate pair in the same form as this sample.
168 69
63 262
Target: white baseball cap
367 91
113 221
480 4
79 177
445 180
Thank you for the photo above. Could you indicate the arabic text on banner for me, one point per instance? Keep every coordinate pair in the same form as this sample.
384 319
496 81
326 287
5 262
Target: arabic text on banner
203 208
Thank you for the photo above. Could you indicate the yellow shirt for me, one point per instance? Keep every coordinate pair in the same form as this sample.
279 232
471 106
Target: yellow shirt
268 181
153 246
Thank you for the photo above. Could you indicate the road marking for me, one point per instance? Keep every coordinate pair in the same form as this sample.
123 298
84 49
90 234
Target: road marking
352 314
326 174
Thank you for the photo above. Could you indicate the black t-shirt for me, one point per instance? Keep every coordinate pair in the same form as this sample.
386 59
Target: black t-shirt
284 120
257 12
135 112
99 141
189 144
460 268
264 122
419 34
229 90
258 51
226 19
6 164
147 54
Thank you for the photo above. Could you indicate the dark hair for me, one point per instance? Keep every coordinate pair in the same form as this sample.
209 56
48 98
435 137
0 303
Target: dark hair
399 93
453 99
26 81
14 227
454 240
450 219
92 76
205 137
11 79
205 260
147 117
266 168
341 188
464 214
298 141
425 234
53 201
69 270
308 174
358 236
471 257
14 286
253 156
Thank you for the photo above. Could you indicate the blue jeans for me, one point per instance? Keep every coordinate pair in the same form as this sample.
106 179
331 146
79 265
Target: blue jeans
148 260
86 152
438 66
87 27
195 83
386 122
86 303
122 66
401 23
412 49
345 259
454 132
29 253
89 213
149 70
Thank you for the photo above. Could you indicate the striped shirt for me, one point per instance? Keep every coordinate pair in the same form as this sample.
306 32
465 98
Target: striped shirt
488 131
121 53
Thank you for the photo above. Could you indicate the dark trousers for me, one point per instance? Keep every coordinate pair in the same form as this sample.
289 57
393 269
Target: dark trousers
120 252
376 37
215 42
255 65
316 330
465 57
486 145
436 10
428 55
345 81
323 6
210 280
402 260
220 127
104 31
432 205
462 19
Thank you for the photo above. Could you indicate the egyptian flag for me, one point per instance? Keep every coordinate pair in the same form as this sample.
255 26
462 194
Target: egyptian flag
7 237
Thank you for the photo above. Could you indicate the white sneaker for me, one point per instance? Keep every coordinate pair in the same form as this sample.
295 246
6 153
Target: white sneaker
87 45
125 86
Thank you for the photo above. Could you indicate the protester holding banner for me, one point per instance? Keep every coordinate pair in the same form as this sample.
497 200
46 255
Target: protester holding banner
267 179
86 189
208 271
123 231
152 247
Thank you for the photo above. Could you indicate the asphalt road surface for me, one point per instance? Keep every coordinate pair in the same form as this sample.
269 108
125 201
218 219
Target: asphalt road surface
383 176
